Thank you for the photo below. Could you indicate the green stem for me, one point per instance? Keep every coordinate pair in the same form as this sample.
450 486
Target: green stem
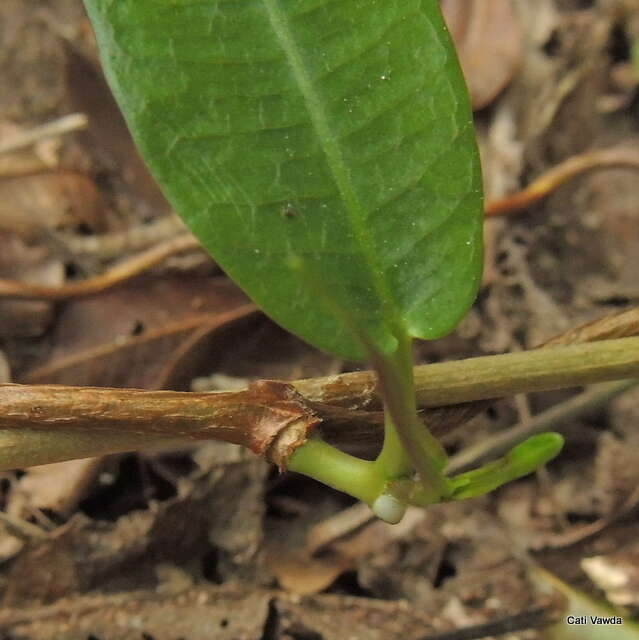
384 484
488 377
393 461
323 462
408 444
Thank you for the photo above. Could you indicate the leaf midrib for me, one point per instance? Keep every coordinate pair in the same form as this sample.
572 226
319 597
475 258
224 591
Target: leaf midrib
332 150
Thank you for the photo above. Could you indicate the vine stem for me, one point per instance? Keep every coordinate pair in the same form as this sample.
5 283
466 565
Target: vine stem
490 377
117 420
408 444
323 462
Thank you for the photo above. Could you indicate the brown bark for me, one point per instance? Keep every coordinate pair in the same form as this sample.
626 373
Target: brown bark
273 418
252 418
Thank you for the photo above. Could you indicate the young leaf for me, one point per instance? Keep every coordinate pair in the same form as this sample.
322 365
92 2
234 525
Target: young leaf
518 462
335 134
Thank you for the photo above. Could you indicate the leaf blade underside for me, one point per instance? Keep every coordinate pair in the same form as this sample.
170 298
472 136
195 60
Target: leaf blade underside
335 132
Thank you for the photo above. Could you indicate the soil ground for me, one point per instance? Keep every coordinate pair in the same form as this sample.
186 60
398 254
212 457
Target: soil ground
211 542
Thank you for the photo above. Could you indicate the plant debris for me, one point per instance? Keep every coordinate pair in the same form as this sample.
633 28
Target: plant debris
198 540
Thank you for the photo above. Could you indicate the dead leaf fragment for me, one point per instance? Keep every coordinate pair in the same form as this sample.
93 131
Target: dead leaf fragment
301 575
302 572
57 487
107 134
5 369
124 337
22 318
617 574
33 205
488 38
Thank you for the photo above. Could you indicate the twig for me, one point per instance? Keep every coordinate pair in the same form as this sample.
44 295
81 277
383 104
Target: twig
555 177
31 168
107 246
119 273
617 325
487 377
40 424
22 529
623 324
51 423
553 418
336 526
66 124
190 332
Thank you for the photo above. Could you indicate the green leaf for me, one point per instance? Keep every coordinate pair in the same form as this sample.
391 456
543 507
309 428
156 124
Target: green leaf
337 133
518 462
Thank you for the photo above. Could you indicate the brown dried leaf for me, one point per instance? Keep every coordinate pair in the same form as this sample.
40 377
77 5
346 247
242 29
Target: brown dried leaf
33 205
181 530
24 161
300 571
124 337
609 327
19 318
107 136
299 574
616 472
488 38
5 369
617 574
31 60
58 487
608 273
273 354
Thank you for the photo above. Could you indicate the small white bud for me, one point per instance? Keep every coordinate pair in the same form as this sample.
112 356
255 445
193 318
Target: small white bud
388 508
